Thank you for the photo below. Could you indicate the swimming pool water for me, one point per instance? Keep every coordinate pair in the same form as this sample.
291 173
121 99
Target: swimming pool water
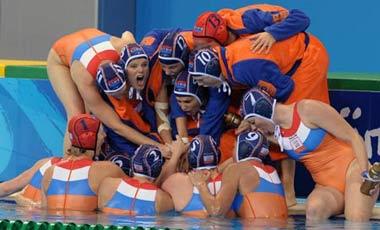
11 211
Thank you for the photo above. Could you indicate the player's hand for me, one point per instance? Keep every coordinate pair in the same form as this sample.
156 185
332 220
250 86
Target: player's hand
178 147
165 151
245 126
262 42
199 177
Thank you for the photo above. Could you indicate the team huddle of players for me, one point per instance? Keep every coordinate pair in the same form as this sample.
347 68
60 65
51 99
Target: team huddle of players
186 117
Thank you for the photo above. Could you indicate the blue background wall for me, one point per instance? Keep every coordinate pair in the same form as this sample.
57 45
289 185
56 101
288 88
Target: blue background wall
32 123
116 16
349 29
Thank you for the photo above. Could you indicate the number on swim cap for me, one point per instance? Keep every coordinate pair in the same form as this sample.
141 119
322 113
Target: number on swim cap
251 136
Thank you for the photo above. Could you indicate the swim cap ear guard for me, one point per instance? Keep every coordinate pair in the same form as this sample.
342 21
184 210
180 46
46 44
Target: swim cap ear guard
174 49
211 25
83 131
251 145
257 103
203 153
110 78
147 161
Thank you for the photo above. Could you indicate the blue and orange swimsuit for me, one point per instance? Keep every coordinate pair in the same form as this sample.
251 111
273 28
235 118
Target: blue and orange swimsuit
69 188
324 156
195 207
133 197
267 200
88 46
33 190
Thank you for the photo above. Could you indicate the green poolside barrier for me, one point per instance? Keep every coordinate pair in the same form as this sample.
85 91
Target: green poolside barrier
32 225
35 72
336 80
354 81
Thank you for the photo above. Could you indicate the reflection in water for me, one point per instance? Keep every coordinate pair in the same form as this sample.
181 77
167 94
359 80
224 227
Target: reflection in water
172 220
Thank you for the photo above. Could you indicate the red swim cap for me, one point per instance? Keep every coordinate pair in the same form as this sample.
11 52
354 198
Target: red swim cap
83 130
211 25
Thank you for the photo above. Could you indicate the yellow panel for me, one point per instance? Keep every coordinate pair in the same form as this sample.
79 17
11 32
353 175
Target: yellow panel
2 70
6 62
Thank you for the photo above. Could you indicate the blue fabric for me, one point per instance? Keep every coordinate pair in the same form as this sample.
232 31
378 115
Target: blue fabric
256 21
158 35
141 207
296 22
263 187
195 204
212 120
312 142
36 180
250 72
80 187
87 44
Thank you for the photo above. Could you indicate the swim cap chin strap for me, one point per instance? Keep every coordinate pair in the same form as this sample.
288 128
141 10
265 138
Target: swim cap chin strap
278 136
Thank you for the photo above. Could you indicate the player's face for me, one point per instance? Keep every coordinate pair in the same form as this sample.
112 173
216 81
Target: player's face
189 104
207 81
201 43
173 69
137 72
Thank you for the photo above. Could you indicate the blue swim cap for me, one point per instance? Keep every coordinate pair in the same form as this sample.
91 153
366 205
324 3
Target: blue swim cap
257 103
130 52
205 63
147 161
110 78
251 145
204 153
185 86
174 49
123 161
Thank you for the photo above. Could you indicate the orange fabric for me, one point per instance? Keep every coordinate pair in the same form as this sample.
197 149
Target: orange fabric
196 213
311 76
126 111
284 54
275 153
310 79
67 44
192 123
227 143
328 164
32 193
148 41
234 17
284 60
263 205
155 82
73 202
117 211
188 36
